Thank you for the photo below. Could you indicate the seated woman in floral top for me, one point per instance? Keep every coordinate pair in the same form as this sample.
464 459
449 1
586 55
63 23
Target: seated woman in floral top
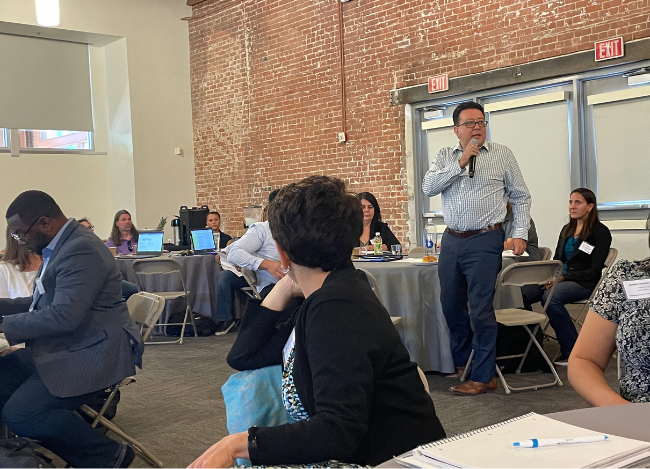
615 322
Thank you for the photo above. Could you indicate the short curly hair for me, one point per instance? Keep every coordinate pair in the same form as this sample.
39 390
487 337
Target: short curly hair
317 222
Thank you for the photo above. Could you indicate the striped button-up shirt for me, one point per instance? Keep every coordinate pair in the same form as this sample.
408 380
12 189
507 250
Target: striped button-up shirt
475 203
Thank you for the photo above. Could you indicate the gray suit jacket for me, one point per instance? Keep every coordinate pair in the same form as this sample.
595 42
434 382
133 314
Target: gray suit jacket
80 333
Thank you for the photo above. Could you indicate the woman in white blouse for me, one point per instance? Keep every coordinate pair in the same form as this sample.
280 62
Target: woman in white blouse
17 272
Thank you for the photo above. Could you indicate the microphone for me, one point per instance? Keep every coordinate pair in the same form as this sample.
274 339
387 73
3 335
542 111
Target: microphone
472 160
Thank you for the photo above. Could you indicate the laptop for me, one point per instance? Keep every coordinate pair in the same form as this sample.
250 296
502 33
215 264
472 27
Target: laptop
150 244
203 241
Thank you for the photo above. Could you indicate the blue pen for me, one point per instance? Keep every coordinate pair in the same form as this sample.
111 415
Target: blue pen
535 443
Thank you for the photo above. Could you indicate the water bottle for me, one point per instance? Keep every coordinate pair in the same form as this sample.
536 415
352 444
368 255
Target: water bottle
431 231
377 242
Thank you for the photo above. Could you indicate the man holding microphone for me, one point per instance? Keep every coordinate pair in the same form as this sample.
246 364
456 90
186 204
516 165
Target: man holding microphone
474 207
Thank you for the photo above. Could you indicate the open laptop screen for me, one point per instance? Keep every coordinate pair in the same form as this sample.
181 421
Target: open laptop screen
202 240
150 242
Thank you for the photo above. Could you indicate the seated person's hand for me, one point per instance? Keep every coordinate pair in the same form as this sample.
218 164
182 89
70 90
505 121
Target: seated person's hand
217 258
281 294
273 267
223 453
550 284
508 245
8 350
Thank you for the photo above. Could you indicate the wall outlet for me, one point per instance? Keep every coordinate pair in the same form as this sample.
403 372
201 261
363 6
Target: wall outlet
342 137
178 151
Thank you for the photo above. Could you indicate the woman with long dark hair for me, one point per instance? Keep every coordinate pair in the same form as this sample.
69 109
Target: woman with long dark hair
124 235
582 247
17 273
372 223
348 380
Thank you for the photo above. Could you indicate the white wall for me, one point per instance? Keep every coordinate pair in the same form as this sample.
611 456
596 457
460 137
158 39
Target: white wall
142 100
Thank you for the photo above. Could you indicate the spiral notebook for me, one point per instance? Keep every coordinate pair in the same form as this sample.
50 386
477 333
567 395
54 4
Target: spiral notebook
492 447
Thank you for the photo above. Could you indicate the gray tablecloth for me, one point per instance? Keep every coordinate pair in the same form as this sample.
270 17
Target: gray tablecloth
200 277
413 293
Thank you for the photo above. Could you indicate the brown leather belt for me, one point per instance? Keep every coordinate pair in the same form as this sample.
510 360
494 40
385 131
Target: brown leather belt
467 234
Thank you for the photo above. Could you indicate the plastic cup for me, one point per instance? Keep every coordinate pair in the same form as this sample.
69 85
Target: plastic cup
396 249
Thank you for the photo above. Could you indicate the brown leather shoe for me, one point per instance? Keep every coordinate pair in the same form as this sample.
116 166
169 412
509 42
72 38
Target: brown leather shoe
457 374
472 388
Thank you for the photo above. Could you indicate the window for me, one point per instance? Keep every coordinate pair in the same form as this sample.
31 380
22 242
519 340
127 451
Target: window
55 139
47 87
582 130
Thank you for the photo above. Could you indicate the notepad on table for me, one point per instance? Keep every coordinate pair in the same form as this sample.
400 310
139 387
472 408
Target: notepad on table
493 447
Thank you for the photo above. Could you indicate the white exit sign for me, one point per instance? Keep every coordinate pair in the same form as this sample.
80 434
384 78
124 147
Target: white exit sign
609 49
439 83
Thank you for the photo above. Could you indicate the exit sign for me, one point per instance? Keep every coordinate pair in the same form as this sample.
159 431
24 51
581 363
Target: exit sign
609 49
439 83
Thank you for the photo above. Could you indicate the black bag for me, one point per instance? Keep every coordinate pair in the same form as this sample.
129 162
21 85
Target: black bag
204 326
512 340
22 452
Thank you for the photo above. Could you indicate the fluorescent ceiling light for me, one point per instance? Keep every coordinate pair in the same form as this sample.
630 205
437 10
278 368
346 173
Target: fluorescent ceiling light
47 12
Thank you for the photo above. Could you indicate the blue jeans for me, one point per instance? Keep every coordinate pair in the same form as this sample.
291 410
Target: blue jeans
565 292
128 289
29 410
227 281
468 271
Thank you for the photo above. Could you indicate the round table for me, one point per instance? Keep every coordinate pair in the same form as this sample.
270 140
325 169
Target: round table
200 277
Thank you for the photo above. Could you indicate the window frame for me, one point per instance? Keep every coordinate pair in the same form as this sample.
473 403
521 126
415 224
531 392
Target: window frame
583 165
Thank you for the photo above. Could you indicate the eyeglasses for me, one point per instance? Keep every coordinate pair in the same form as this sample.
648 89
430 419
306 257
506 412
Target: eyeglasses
472 124
20 238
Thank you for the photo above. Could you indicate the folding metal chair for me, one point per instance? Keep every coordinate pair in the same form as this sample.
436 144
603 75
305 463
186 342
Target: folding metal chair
609 262
251 279
375 289
519 274
145 309
168 272
546 253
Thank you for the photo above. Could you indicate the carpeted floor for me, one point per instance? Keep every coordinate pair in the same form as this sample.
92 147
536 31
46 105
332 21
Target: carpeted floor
177 411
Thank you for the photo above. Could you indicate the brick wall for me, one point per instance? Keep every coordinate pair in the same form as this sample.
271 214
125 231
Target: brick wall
266 88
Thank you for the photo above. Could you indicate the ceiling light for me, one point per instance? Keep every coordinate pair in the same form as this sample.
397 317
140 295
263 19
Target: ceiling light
47 12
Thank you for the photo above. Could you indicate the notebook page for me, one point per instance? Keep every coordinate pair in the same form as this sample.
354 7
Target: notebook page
492 446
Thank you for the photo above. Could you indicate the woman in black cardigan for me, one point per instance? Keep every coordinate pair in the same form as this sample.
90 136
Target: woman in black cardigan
372 223
348 380
583 247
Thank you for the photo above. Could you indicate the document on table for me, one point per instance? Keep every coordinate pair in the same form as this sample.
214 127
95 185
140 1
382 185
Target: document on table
493 447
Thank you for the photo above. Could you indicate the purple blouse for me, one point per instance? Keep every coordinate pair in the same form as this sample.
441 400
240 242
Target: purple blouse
126 247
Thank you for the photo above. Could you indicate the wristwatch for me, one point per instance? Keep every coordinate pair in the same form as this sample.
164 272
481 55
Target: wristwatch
252 445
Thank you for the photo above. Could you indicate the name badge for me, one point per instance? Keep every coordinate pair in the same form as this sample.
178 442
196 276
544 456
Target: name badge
288 347
39 286
637 289
586 247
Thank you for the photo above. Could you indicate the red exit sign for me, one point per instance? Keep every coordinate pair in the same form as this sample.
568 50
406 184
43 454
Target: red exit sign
609 49
439 83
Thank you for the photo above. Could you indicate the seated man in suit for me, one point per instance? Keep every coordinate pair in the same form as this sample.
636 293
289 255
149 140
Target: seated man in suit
79 336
